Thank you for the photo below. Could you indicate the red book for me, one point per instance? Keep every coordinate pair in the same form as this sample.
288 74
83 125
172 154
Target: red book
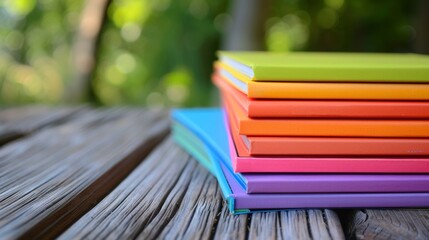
274 108
379 128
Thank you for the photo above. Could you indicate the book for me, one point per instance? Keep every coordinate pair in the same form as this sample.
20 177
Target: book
241 202
327 90
336 183
289 108
327 146
324 127
342 67
333 146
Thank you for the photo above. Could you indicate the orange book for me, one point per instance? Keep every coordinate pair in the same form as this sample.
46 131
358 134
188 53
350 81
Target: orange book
275 108
324 90
336 146
326 146
325 127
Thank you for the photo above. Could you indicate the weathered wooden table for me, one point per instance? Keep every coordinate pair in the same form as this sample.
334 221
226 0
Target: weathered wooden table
78 172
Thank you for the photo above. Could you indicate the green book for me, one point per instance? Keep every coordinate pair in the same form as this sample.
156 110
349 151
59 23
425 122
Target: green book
336 67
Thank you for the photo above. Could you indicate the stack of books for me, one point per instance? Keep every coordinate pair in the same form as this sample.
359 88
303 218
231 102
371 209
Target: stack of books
315 130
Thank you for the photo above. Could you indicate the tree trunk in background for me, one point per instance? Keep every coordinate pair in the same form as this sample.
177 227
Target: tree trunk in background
422 28
246 31
85 51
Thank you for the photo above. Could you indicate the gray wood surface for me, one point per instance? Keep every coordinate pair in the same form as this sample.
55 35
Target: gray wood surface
168 195
296 224
52 177
82 173
389 224
171 196
21 121
230 226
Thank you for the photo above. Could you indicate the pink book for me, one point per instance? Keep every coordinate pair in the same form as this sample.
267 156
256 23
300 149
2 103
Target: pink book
322 164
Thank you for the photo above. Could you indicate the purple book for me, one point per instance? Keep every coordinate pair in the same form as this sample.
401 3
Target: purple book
319 183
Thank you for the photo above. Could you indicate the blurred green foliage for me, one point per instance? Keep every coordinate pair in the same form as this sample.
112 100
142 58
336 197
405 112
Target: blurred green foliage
160 53
161 56
36 39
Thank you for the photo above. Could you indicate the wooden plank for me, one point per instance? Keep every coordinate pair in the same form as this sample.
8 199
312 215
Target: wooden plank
296 224
170 196
230 226
264 225
165 196
136 200
389 224
333 223
52 177
196 216
20 121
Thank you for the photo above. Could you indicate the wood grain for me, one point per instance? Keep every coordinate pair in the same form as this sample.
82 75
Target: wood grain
296 224
52 177
389 224
168 196
18 122
230 226
196 216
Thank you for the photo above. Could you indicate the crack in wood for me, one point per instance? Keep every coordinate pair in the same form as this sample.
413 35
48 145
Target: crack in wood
389 224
